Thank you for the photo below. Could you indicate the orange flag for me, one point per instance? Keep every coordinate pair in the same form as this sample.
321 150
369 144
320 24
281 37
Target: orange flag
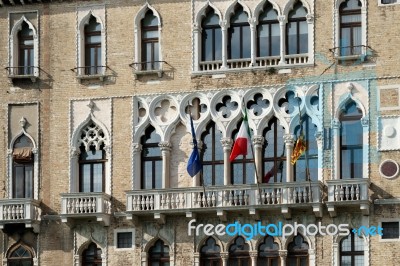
299 149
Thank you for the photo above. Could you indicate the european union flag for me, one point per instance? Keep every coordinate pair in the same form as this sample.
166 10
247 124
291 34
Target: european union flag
194 165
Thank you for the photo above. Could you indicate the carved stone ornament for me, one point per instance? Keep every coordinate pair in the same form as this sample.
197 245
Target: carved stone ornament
137 147
364 121
258 140
335 123
74 152
165 145
288 139
226 142
22 122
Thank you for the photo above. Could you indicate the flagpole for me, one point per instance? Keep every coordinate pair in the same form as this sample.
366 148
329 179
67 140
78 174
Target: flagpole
305 153
201 171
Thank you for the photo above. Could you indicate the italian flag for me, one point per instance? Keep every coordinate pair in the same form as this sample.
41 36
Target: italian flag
242 139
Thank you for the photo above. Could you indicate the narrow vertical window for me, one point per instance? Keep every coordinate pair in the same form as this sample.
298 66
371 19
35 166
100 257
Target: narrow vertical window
25 53
307 164
268 33
150 42
212 156
352 251
23 168
92 256
92 159
93 60
151 160
211 37
239 44
350 28
351 142
297 31
274 153
159 254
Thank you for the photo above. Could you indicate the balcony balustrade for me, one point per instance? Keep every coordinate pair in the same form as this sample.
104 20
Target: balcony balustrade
20 211
226 198
86 206
348 192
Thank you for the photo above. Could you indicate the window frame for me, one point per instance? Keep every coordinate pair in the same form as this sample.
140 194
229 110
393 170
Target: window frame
92 162
212 128
97 46
11 259
214 28
96 259
126 230
269 23
354 118
273 254
25 69
298 255
152 41
161 259
153 159
210 258
241 255
297 22
388 220
352 26
352 253
237 26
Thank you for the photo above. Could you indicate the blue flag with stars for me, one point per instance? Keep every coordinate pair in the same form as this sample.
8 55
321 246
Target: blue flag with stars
194 165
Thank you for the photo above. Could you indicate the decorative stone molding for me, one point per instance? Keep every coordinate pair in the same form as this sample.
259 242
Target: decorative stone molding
165 146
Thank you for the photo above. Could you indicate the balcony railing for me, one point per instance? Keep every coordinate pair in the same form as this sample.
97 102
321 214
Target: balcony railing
347 192
149 67
86 205
220 198
25 211
269 61
23 72
356 52
91 72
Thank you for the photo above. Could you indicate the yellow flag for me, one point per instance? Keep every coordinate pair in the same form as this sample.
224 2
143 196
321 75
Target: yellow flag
299 149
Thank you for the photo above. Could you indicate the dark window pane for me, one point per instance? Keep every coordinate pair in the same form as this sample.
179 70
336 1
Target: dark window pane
124 240
390 230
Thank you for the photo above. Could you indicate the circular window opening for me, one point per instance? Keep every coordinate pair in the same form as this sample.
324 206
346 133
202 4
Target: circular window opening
389 169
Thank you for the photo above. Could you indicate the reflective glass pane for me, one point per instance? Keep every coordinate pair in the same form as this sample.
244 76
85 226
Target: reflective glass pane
19 181
150 19
158 174
85 178
246 42
98 177
292 37
275 39
303 41
28 181
218 44
148 176
239 17
235 43
150 34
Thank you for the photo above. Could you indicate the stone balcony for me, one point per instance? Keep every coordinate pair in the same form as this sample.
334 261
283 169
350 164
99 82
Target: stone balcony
222 199
86 205
20 211
348 193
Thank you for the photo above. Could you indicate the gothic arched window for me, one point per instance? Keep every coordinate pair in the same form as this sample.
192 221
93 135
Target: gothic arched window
93 60
239 37
297 31
239 253
92 256
211 38
92 159
268 33
150 42
297 252
151 159
268 252
352 250
210 253
212 155
350 28
351 142
22 168
20 256
25 50
159 254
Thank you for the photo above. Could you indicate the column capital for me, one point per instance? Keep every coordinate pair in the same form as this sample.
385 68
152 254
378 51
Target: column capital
310 18
282 20
288 139
224 24
165 146
224 255
258 140
252 22
283 253
335 124
137 147
226 142
74 152
253 254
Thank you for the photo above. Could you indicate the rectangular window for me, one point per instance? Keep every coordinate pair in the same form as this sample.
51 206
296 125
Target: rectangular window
390 230
386 2
124 240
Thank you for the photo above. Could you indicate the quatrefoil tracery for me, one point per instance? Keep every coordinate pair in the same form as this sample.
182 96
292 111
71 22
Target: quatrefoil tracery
92 136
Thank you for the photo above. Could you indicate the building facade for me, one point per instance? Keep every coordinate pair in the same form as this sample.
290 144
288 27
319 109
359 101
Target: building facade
96 99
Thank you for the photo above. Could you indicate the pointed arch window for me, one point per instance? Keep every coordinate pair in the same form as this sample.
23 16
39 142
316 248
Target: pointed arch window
352 250
23 168
297 252
307 164
92 256
243 167
274 152
92 159
159 254
211 38
93 49
268 33
297 31
20 256
350 28
25 50
210 253
351 142
268 252
151 159
239 253
212 156
150 42
239 36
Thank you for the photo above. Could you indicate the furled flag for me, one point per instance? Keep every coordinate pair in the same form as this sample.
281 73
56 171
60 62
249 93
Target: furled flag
242 139
194 164
299 148
271 172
